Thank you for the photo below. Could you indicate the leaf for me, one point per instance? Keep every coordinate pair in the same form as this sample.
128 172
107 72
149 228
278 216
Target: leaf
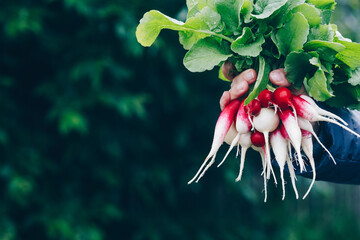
230 13
200 3
326 50
245 44
317 86
261 81
297 67
322 32
246 10
265 8
191 3
283 13
323 4
311 13
151 25
354 77
351 55
315 44
293 35
192 12
205 55
207 19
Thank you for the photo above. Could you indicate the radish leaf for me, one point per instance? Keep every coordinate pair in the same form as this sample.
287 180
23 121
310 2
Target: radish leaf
151 25
230 13
205 55
206 20
297 67
265 8
351 55
311 13
293 35
317 86
247 44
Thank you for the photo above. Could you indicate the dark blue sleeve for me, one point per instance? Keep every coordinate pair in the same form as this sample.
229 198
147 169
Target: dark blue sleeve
344 146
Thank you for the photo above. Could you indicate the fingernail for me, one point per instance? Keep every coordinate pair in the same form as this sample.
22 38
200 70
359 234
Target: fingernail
241 86
249 75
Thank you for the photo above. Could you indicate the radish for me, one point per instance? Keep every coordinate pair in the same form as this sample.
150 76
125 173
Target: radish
293 131
245 143
279 147
265 98
307 111
243 125
266 122
282 97
253 109
222 126
231 134
306 125
322 111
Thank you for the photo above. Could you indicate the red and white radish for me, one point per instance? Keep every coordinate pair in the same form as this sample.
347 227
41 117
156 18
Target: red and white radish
307 111
322 111
265 98
223 125
293 131
252 109
266 122
279 147
242 124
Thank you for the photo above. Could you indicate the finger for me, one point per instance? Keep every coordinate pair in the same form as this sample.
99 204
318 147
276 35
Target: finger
278 77
248 76
228 70
225 99
239 89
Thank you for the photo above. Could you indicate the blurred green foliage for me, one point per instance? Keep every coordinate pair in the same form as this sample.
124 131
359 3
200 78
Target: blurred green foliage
99 136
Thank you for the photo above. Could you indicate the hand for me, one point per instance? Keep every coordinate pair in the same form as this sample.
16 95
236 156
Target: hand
240 83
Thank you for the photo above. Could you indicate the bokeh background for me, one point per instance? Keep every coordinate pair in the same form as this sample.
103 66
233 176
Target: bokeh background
99 136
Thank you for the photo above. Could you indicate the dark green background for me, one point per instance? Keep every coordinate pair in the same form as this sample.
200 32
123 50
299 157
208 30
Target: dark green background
99 136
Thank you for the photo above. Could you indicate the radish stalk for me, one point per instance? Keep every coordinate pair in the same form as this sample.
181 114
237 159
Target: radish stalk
306 125
222 126
307 146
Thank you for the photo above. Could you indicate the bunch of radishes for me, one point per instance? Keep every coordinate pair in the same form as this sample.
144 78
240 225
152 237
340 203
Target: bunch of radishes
278 119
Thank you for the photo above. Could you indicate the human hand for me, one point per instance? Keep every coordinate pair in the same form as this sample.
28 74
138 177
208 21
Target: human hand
240 83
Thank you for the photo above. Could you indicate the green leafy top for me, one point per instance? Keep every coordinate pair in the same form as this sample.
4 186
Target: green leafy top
267 34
